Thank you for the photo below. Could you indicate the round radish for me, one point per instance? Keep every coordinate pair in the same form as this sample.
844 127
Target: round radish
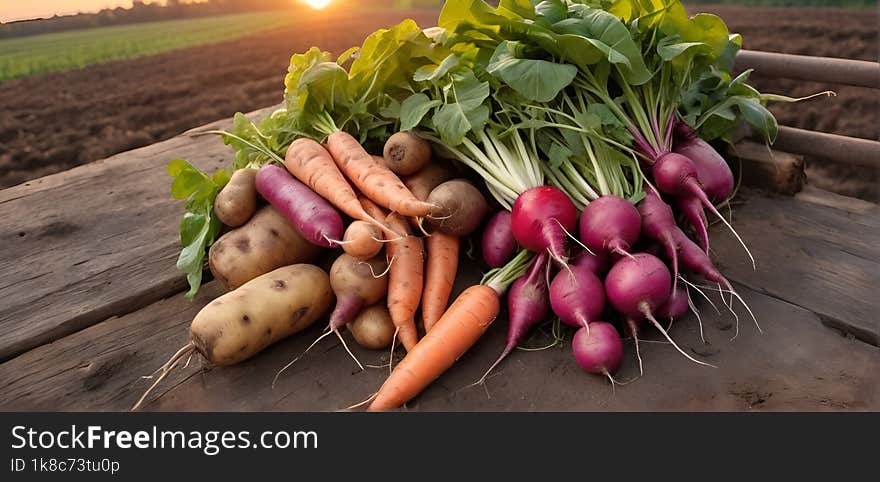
610 224
637 286
577 296
658 224
598 349
713 171
676 306
541 219
497 242
599 265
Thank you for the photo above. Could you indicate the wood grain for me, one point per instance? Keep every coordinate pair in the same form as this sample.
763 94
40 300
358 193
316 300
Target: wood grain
821 255
796 365
96 241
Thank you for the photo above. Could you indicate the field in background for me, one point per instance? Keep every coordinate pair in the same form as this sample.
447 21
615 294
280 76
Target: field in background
20 57
55 121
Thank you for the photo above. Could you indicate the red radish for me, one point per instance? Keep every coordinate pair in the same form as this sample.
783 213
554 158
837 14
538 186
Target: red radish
317 220
498 244
637 286
541 219
658 223
598 349
713 172
577 296
610 224
692 210
599 265
527 305
676 306
694 259
676 175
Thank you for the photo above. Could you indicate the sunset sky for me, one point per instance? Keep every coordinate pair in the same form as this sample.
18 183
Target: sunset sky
22 9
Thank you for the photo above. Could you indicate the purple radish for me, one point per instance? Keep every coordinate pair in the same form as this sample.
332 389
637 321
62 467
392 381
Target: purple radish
541 219
676 175
658 224
498 244
714 173
637 286
676 306
599 265
527 305
692 210
577 296
598 349
610 224
314 217
694 259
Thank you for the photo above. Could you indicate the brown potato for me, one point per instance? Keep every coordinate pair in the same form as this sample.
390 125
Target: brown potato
461 208
268 241
266 309
372 328
237 201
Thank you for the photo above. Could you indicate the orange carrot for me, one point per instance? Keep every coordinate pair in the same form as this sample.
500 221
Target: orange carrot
458 329
440 270
375 180
309 162
406 260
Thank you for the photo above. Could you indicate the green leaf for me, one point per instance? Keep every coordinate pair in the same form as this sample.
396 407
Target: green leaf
551 11
464 110
431 73
414 109
558 155
607 33
537 80
758 116
671 47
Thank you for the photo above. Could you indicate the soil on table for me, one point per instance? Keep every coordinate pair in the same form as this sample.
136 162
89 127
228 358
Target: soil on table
52 122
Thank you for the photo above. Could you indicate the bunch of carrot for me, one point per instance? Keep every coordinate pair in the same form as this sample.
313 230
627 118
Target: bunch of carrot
421 269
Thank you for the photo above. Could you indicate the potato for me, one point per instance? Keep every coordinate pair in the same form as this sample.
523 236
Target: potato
237 201
268 241
237 325
461 208
372 328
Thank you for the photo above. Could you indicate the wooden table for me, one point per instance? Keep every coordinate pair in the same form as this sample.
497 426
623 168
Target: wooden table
90 301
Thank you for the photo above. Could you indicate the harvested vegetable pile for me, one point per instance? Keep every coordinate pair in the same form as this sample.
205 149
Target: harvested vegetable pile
575 131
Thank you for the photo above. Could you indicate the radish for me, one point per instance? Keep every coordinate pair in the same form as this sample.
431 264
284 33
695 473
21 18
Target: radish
676 306
610 224
599 265
677 175
577 296
714 174
598 349
541 218
527 304
658 223
695 259
498 244
317 220
637 286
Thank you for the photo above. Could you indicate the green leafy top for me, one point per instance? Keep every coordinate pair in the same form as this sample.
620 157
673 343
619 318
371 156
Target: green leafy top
199 226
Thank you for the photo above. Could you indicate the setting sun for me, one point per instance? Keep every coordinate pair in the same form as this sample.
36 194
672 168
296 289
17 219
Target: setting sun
316 4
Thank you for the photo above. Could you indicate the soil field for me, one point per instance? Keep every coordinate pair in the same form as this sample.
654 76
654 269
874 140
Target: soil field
52 122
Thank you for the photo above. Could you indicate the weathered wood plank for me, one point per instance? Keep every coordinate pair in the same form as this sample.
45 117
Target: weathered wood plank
96 241
768 169
822 256
797 364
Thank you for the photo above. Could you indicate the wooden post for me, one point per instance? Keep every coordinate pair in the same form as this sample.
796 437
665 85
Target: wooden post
773 170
